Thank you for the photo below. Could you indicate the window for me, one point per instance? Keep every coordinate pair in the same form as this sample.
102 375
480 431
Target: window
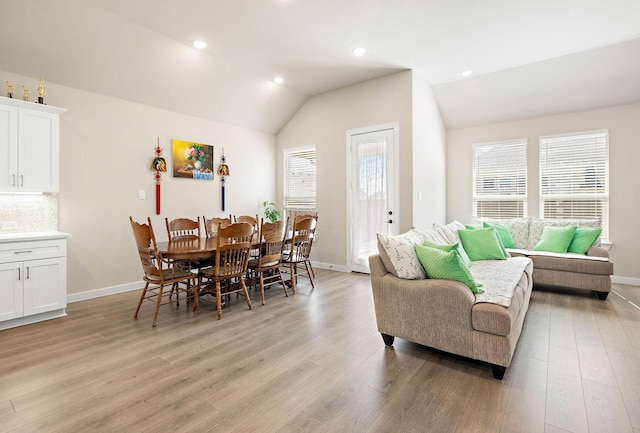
300 179
574 177
500 179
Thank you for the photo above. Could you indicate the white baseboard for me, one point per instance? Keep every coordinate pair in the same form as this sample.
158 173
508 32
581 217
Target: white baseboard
625 280
329 266
83 296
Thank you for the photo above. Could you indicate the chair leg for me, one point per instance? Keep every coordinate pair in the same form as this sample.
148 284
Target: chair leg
158 303
219 299
246 293
309 274
196 295
144 293
262 286
312 272
284 286
292 276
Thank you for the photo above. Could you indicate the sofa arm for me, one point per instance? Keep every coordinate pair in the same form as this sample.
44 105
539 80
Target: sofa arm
435 313
598 252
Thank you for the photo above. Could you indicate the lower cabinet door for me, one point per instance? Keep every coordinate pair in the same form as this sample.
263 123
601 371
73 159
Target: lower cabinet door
44 285
10 290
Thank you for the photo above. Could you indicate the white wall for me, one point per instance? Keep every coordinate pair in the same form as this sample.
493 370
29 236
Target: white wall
429 151
107 146
323 122
624 153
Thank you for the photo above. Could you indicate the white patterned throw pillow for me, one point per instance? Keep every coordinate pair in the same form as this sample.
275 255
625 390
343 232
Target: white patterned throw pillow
401 259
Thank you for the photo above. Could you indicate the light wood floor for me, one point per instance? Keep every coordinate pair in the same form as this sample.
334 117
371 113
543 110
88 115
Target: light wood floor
314 362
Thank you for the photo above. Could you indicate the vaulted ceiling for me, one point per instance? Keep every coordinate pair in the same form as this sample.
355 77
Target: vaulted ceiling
529 57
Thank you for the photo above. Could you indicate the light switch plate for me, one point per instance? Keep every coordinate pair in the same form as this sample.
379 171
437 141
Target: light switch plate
142 194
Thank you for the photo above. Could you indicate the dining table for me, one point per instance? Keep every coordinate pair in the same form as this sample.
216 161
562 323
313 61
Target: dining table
194 249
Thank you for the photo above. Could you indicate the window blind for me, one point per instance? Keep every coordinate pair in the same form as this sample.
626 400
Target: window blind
300 179
500 179
574 177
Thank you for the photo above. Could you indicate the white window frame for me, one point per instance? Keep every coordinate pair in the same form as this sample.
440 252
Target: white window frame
297 197
515 173
574 170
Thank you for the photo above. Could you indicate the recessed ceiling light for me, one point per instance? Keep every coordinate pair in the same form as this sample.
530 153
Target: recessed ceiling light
466 73
201 45
278 80
359 51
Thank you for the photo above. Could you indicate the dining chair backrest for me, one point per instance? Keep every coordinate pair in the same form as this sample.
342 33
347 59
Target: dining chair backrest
184 228
150 257
253 220
232 250
302 238
272 240
211 225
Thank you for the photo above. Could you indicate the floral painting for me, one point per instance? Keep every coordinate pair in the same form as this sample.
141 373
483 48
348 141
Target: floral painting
192 160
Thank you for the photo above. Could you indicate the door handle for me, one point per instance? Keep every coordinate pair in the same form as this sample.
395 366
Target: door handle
390 221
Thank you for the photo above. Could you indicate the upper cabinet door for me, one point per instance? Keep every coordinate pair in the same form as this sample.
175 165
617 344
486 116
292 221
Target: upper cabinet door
8 148
38 151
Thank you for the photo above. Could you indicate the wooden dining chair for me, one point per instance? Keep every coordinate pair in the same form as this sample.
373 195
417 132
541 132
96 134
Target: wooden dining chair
300 251
253 220
211 225
266 267
227 275
184 228
158 272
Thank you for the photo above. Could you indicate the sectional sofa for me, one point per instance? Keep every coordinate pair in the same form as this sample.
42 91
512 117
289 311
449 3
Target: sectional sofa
446 315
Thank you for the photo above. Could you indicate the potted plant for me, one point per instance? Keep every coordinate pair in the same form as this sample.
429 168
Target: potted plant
271 211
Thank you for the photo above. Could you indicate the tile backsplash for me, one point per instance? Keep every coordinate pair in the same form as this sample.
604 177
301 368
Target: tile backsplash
30 212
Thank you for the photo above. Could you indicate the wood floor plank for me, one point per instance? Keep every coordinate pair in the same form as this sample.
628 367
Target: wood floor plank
605 408
314 362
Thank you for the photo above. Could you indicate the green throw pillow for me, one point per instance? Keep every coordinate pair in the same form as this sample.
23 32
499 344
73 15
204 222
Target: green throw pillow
583 239
446 265
555 239
504 233
480 227
455 247
482 244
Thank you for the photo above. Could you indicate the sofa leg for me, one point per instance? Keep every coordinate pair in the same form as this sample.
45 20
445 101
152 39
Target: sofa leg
388 339
498 371
602 295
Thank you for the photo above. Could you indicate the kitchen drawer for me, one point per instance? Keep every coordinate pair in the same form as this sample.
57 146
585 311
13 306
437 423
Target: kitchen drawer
32 250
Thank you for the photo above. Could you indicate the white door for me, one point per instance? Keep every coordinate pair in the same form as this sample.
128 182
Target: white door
372 191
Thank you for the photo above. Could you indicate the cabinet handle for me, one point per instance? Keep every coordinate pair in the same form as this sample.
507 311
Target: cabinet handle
23 252
19 278
27 273
22 180
13 180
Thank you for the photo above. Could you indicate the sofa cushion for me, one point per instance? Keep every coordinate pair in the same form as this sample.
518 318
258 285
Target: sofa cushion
455 247
571 262
583 239
399 256
446 265
497 319
555 239
450 231
518 227
482 244
536 226
503 231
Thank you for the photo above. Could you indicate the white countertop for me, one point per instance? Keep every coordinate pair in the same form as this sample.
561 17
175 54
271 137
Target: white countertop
32 236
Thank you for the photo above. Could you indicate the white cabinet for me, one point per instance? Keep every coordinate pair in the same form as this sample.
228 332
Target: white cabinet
33 281
29 146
